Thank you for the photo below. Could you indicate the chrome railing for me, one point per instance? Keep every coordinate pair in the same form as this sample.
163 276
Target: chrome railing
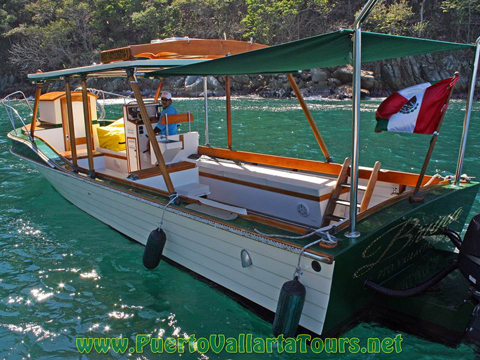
13 114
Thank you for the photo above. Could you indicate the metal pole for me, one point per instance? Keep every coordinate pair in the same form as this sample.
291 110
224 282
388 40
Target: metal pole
357 69
229 112
466 122
205 97
357 51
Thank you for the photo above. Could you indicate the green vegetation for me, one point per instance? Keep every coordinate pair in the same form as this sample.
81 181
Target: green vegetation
53 34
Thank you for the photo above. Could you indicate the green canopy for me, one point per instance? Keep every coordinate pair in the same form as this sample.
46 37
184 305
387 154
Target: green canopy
114 69
322 51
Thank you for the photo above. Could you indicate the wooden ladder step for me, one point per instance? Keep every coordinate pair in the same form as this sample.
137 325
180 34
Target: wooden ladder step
344 203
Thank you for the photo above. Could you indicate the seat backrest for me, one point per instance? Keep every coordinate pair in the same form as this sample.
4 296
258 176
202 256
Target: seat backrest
176 119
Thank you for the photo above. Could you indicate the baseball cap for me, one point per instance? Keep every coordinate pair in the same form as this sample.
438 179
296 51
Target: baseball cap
166 95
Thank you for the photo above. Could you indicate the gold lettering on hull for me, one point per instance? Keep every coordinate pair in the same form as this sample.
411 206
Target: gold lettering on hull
412 232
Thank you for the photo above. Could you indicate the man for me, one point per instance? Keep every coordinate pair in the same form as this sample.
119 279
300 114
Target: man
168 109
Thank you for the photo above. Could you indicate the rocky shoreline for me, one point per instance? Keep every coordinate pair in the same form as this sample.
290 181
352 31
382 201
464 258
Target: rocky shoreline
378 79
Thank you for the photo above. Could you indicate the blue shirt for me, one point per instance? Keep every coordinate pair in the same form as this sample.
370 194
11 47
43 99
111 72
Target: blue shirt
172 128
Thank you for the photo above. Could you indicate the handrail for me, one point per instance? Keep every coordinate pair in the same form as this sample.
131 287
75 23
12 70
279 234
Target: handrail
468 111
12 112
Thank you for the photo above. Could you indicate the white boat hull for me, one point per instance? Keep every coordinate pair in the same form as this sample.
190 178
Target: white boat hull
203 246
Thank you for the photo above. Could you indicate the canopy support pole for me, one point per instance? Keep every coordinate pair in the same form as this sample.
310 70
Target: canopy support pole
151 134
33 124
229 112
357 68
159 89
309 116
468 112
88 122
71 130
433 141
205 104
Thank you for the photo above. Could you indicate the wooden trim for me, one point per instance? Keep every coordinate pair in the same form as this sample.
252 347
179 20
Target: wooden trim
81 154
121 157
159 89
55 95
181 48
309 116
390 176
155 171
176 119
370 187
229 111
275 223
81 141
88 124
33 123
268 188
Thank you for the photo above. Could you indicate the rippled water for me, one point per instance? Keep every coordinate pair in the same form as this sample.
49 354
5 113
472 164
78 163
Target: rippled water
65 275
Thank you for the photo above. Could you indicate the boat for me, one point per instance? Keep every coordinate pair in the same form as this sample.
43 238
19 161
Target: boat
277 231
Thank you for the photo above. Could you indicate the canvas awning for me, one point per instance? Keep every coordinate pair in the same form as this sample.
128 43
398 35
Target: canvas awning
114 69
322 51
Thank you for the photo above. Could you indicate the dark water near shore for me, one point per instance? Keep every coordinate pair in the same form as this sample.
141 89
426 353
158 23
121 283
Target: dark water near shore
65 275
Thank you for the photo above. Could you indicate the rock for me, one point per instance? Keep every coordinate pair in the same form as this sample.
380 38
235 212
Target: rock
305 75
321 85
345 90
219 92
213 84
319 75
367 81
333 83
190 80
344 74
194 89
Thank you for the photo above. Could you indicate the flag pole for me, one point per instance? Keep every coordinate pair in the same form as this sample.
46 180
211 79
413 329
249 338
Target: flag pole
415 197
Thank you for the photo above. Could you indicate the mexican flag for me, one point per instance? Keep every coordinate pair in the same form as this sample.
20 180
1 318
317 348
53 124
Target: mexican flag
416 109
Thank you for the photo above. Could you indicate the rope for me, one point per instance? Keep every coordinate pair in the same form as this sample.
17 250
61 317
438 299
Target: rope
173 197
298 270
321 232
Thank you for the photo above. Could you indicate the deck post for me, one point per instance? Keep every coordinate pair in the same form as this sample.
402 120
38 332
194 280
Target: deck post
151 134
33 124
468 112
88 122
71 129
205 104
356 83
229 112
309 116
159 89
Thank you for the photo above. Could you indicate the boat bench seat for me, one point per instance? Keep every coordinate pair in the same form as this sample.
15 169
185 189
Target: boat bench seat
122 153
265 176
81 154
155 171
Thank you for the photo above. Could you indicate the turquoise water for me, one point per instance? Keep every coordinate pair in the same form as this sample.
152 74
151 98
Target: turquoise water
64 275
